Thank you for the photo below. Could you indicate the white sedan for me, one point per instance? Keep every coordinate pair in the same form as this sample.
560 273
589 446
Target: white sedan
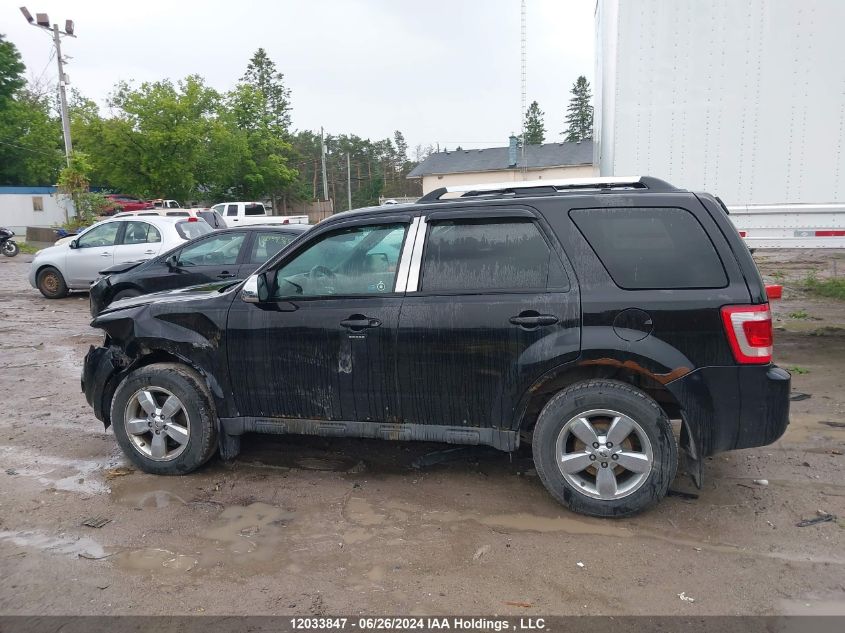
73 266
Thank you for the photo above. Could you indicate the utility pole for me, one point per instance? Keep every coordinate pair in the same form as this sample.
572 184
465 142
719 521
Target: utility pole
348 182
323 160
524 65
43 22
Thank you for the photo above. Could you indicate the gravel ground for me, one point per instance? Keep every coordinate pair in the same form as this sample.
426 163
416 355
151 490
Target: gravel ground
310 525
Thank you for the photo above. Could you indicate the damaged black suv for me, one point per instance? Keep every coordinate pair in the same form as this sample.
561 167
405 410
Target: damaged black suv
579 316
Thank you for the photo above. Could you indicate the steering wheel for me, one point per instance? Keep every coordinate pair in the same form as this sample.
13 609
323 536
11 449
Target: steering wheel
319 271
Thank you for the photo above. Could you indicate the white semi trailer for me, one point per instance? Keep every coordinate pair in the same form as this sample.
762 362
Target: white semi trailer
741 98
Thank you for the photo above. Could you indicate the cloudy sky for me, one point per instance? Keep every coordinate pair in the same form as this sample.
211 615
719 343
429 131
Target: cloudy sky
442 71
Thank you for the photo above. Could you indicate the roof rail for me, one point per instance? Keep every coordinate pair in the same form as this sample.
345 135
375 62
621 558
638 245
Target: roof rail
550 187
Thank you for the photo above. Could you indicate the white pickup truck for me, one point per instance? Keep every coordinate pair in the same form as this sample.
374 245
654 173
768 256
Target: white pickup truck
245 213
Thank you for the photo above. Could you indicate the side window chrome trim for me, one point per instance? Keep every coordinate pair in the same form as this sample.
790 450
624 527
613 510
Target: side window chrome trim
405 258
416 256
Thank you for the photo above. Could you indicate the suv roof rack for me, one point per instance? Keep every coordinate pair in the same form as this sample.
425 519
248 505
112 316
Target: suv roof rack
552 187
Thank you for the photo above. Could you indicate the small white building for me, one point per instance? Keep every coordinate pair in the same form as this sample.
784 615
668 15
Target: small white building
41 207
549 161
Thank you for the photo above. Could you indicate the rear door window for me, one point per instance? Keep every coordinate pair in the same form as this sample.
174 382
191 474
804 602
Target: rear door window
140 233
471 255
652 248
265 245
232 209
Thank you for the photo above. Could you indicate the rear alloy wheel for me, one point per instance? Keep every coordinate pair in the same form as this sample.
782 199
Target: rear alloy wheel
605 449
51 283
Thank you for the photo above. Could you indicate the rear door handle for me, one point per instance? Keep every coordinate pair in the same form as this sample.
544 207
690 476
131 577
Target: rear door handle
531 319
358 322
149 252
225 275
105 254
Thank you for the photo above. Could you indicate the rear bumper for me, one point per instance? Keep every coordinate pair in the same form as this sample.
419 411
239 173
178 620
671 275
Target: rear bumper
728 408
97 295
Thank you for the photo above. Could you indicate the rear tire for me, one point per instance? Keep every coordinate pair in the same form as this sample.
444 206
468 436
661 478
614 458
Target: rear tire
10 248
618 463
51 283
163 419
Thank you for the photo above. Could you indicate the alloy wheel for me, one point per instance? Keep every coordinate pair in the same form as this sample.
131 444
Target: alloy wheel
604 454
157 423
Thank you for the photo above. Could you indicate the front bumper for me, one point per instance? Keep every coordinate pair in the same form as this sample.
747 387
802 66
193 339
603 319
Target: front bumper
99 371
728 408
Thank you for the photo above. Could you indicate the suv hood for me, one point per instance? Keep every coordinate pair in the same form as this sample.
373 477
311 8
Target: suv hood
191 293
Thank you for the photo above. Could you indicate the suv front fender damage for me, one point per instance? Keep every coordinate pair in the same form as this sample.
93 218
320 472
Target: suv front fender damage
136 337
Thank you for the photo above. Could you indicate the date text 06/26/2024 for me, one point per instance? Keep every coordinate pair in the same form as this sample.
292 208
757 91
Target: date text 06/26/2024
416 624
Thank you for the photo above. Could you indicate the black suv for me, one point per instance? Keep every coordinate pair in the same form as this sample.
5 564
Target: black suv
579 316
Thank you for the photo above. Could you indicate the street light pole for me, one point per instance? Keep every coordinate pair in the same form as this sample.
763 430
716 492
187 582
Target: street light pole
43 22
57 41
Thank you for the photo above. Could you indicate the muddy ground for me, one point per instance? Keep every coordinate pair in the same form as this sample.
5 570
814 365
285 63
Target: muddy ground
310 525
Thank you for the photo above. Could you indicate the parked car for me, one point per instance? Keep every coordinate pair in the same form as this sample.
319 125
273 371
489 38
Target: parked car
160 203
580 316
242 213
74 265
120 202
212 217
226 254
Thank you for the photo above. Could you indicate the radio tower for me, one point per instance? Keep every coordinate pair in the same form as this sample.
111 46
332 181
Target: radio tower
523 57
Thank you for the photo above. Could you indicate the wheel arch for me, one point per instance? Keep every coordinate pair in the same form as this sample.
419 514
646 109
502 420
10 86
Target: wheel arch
551 383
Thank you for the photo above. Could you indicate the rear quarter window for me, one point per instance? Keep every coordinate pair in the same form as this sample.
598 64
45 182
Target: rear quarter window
652 248
254 209
190 230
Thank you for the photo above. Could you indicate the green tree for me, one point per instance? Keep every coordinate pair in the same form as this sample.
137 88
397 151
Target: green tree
262 75
30 135
535 129
11 70
579 117
73 182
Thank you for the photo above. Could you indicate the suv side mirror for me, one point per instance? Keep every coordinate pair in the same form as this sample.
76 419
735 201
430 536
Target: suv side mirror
257 288
74 244
172 262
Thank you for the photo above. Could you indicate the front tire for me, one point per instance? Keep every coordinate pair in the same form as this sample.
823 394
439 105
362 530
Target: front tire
51 283
604 448
125 294
163 419
10 248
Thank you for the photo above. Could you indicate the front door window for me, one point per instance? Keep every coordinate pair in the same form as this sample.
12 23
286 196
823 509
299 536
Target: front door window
360 260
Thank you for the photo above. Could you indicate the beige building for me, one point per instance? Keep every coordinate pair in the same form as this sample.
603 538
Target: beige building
549 161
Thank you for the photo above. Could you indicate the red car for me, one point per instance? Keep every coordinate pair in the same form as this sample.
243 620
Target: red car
120 202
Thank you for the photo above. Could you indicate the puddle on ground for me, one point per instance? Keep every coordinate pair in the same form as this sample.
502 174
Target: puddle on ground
63 544
145 491
154 560
532 523
244 534
360 511
70 475
324 463
813 607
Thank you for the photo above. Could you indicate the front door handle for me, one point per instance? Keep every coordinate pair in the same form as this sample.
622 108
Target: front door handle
358 322
225 275
105 254
530 319
149 252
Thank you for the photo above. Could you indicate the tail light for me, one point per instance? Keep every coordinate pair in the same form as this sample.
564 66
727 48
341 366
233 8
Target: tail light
192 219
749 332
286 221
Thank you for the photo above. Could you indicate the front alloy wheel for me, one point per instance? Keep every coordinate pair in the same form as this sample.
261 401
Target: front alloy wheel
157 423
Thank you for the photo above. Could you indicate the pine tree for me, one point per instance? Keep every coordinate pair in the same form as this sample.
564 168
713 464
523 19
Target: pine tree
535 130
262 75
579 116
